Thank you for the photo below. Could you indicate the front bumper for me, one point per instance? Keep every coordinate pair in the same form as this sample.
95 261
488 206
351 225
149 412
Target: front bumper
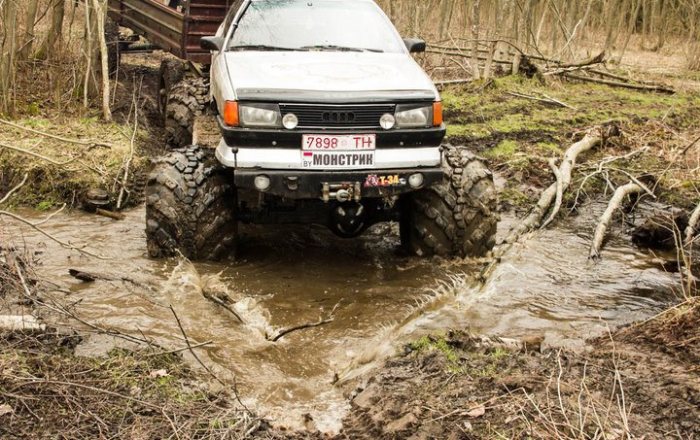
292 139
291 159
341 186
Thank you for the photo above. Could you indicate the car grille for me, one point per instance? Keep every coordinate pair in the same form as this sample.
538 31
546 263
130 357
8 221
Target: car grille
340 116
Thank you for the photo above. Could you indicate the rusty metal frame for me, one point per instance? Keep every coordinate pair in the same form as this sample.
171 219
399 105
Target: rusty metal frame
171 30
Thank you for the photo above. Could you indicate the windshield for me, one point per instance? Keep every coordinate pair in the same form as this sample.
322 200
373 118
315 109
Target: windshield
333 25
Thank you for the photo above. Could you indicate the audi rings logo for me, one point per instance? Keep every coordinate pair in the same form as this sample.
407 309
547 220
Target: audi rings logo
338 117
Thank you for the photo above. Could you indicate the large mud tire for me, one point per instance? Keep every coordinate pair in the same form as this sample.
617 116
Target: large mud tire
171 72
455 217
190 207
187 99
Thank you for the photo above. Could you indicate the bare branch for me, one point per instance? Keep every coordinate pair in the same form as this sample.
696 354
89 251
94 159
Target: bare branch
90 143
615 202
693 225
31 153
560 193
13 190
37 227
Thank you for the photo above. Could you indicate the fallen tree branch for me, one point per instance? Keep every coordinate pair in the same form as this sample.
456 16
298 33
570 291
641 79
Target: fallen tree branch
58 138
31 153
13 190
110 214
571 67
601 166
689 146
546 99
649 88
466 55
453 81
560 193
592 139
190 348
597 59
322 321
220 302
615 202
693 225
36 227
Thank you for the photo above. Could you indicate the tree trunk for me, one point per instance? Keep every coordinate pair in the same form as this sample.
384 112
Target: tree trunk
475 39
100 12
29 36
55 35
8 13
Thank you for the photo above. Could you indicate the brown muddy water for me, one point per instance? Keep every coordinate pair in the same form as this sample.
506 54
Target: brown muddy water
293 275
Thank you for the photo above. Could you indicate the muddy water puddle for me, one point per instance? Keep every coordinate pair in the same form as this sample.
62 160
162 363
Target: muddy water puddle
294 275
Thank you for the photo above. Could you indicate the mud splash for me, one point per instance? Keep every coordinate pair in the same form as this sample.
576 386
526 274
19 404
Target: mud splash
290 276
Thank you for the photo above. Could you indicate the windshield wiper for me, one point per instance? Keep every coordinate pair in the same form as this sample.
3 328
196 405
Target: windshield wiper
262 47
333 47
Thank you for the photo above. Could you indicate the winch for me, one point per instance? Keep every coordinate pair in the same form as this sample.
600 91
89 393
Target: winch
342 192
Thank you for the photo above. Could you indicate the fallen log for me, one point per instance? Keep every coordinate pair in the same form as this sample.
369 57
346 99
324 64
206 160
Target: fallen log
545 99
592 139
615 202
559 193
597 59
648 88
693 225
466 55
572 67
110 214
453 81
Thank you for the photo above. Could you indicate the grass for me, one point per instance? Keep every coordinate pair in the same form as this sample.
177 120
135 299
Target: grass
80 167
123 395
518 135
487 363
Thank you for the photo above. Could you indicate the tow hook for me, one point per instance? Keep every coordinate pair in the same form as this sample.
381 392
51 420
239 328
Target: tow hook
342 192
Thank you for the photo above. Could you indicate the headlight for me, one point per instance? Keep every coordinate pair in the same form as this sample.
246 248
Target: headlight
260 115
412 116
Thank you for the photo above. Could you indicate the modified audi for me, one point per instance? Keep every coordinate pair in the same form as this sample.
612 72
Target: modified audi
322 116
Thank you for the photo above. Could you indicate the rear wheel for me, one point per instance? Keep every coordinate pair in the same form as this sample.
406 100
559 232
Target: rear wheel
186 98
190 207
455 217
171 72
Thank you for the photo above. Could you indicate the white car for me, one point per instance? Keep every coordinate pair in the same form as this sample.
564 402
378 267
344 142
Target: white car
326 118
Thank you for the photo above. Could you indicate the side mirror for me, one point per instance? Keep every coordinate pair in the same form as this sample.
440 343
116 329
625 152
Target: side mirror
213 44
414 45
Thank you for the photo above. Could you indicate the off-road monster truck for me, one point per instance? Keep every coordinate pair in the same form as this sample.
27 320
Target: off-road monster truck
326 119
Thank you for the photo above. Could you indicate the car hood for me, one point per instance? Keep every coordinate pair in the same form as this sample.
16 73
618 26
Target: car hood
327 76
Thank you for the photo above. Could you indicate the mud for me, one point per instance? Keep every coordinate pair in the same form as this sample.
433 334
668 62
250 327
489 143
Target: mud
624 385
289 276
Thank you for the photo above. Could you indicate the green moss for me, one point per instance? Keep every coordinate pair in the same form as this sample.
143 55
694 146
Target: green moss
436 343
45 205
84 168
515 197
549 148
466 131
504 150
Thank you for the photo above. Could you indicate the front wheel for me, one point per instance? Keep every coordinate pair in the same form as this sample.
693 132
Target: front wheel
190 207
456 216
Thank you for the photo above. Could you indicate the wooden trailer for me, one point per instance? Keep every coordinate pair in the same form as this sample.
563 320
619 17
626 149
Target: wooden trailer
176 30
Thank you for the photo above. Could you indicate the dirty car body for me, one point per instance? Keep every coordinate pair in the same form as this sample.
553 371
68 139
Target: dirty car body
322 101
